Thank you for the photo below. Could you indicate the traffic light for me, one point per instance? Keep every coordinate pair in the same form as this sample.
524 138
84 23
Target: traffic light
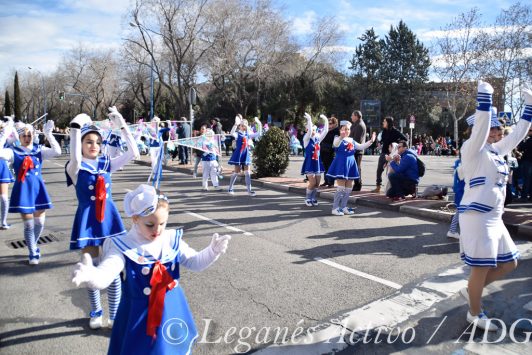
61 95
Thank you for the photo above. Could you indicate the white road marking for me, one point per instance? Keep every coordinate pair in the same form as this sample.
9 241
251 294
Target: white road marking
359 273
213 221
61 165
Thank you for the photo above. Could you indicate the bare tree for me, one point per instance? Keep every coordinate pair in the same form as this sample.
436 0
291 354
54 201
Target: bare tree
458 53
172 33
248 44
507 46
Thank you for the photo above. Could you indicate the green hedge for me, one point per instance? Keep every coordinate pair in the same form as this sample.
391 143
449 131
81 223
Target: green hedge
271 153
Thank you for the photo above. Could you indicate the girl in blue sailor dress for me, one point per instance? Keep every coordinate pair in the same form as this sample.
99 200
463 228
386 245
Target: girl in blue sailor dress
312 165
29 196
97 217
241 157
485 243
6 177
153 317
344 167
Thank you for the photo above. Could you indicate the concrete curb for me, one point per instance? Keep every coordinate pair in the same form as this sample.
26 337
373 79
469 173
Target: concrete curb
521 231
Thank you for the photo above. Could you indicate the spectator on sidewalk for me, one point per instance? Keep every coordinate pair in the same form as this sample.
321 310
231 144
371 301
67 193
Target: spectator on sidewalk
183 131
327 149
389 134
405 177
525 166
358 133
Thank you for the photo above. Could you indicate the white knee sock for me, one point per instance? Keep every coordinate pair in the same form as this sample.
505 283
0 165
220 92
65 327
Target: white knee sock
232 181
39 226
4 208
114 292
338 197
29 236
248 180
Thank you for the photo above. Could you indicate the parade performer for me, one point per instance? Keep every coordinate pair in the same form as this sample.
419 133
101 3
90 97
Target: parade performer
208 160
485 243
29 196
458 189
6 177
97 217
153 307
344 167
312 165
241 157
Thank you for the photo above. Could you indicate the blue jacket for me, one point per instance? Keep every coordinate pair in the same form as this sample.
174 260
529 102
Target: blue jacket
408 166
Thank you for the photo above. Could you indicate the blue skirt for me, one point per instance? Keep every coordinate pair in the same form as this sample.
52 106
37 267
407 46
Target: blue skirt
312 166
5 174
344 169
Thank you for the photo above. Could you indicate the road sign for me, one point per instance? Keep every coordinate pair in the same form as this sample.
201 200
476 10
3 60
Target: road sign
506 116
371 111
412 124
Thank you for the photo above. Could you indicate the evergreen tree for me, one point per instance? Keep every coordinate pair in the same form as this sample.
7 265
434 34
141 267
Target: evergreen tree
7 105
367 63
404 71
16 99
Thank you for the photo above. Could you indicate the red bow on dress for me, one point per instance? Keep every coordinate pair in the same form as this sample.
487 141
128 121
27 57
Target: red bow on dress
160 281
27 164
244 144
101 195
350 146
316 151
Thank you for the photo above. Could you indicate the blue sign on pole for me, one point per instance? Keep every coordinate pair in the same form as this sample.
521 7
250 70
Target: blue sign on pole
269 119
507 117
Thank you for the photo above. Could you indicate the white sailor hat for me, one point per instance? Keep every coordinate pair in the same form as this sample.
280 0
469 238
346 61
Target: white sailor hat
494 120
142 201
90 128
345 123
21 127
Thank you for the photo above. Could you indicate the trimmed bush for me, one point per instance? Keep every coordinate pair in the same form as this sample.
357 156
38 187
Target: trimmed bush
271 152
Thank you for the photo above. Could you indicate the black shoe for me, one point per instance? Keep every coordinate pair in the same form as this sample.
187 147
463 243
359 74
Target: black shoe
324 184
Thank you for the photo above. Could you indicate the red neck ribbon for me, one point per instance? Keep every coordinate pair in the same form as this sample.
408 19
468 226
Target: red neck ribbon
27 164
316 151
350 146
244 144
160 281
100 194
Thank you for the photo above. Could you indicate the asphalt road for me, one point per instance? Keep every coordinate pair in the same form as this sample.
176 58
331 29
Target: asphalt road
287 266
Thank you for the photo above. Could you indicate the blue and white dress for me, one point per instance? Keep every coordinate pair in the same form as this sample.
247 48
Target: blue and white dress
484 239
344 166
312 163
87 230
241 155
6 176
177 331
29 193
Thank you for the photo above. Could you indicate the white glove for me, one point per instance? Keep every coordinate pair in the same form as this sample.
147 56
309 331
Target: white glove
257 120
48 127
484 87
527 94
156 119
307 116
84 270
238 119
219 243
116 118
80 120
323 117
10 119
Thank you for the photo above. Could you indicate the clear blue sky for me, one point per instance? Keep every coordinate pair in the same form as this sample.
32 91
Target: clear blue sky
37 33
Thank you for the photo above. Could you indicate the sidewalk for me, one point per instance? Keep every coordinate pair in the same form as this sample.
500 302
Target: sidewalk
517 216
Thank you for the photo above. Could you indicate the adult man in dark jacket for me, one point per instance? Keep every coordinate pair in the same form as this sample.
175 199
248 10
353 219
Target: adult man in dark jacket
183 131
389 135
358 133
404 176
216 126
327 150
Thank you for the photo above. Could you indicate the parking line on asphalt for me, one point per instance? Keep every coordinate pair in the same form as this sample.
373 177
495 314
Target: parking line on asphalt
359 273
213 221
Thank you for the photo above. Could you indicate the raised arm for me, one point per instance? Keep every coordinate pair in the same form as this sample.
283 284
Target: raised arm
306 137
505 145
55 148
481 127
325 126
74 164
367 144
132 148
259 129
238 119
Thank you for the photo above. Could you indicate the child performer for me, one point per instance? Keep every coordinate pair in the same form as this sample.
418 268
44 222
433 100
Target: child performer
312 165
97 217
29 196
344 167
458 188
208 160
153 307
5 175
241 157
